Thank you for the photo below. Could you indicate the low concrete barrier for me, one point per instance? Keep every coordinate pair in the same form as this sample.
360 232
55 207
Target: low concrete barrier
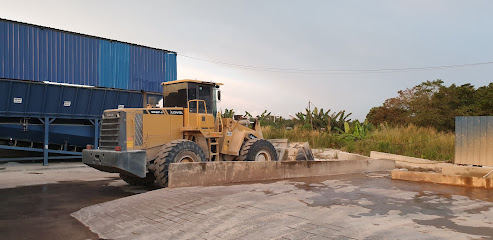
411 163
468 171
216 173
442 179
390 156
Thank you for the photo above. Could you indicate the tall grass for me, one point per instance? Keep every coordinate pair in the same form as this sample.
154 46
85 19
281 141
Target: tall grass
409 141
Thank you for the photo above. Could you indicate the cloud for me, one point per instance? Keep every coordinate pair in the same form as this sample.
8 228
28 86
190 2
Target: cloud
292 34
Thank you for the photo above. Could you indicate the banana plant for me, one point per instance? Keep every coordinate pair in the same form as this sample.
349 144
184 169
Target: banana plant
358 130
318 118
228 113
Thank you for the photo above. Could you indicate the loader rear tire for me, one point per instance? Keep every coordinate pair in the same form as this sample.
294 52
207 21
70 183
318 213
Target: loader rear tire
257 150
137 181
175 152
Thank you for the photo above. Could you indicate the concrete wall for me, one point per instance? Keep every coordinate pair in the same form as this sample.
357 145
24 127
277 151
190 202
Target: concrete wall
215 173
468 171
442 179
381 155
334 154
411 163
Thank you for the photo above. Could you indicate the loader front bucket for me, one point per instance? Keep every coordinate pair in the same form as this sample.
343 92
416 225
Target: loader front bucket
294 151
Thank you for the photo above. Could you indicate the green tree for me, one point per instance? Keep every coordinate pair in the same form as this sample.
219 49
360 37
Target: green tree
432 104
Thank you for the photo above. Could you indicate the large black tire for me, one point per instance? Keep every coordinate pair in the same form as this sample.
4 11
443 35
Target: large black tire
137 181
257 150
175 152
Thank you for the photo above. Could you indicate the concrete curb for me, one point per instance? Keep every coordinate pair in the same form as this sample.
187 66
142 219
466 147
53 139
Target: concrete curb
442 179
23 167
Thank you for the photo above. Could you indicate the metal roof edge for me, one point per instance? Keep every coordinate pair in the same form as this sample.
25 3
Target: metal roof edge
190 80
85 35
79 86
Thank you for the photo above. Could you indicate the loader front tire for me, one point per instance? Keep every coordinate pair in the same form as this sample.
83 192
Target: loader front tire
137 181
257 150
175 152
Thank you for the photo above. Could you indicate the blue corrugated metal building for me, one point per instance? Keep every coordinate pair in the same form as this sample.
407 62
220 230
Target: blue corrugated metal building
57 120
30 52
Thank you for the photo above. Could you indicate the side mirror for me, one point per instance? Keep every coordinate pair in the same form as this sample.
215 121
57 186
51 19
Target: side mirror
219 96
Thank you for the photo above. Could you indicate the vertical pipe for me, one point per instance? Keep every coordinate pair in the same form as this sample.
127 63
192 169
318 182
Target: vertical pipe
9 101
45 147
89 101
96 133
44 98
74 106
116 99
103 103
144 98
27 97
60 103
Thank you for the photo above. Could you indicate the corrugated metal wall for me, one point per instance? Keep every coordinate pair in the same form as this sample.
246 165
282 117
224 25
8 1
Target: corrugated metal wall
31 52
474 140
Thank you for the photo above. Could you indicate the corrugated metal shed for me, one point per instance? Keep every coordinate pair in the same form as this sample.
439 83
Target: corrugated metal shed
474 140
30 52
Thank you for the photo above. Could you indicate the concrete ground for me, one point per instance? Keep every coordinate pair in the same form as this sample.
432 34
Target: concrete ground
36 201
356 206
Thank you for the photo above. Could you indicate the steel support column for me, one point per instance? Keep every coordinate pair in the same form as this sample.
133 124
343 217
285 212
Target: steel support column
46 143
47 121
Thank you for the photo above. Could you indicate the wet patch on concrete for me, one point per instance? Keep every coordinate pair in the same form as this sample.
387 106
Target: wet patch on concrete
43 211
449 224
405 199
479 209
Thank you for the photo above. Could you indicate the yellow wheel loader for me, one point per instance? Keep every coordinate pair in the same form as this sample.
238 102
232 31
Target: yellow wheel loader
141 143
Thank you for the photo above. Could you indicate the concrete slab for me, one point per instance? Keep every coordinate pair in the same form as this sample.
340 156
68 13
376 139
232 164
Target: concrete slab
31 174
15 166
356 206
457 180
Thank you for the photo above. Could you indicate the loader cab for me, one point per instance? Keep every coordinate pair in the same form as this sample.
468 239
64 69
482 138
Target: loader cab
184 93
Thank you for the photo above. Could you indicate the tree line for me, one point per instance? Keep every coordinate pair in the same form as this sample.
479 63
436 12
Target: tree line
432 104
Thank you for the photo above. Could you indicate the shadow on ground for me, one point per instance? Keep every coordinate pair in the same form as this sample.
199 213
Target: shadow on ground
43 211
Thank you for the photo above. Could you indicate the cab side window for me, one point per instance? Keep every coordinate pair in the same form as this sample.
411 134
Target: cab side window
175 95
200 92
205 93
192 95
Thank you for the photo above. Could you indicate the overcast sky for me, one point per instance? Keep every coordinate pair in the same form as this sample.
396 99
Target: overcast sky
327 35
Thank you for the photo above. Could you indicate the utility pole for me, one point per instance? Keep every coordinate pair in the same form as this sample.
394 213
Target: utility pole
310 112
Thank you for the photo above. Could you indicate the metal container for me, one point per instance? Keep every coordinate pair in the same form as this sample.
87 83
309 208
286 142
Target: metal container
474 140
31 52
56 118
38 99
